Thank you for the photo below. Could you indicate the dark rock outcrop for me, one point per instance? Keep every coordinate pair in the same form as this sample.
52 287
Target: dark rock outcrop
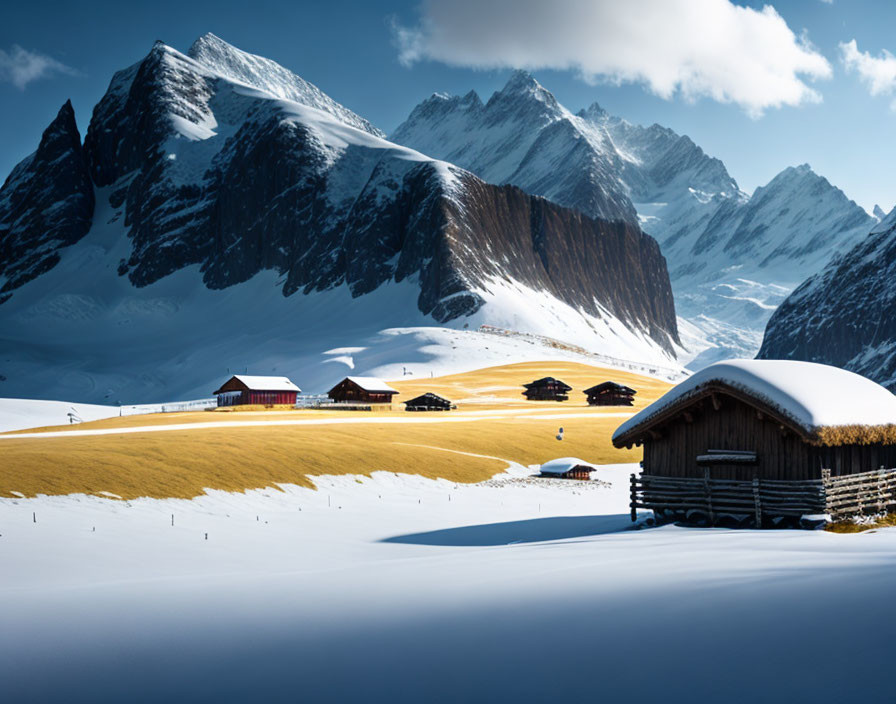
46 203
846 314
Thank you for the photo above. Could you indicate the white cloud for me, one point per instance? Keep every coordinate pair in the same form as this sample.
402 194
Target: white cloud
693 48
20 66
877 72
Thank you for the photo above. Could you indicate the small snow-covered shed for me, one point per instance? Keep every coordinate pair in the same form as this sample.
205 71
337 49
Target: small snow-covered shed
362 389
429 402
242 389
567 468
788 424
546 389
609 393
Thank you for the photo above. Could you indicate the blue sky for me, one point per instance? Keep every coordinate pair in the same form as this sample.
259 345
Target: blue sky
350 50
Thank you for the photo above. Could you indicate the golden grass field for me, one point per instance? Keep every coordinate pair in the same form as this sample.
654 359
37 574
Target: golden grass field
184 463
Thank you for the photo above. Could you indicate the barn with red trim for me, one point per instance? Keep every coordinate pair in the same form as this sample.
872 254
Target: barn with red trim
245 390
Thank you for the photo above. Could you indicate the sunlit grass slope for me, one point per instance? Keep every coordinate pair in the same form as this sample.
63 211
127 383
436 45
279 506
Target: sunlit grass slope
183 463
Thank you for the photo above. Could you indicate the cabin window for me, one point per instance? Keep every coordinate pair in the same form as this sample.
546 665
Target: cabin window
712 457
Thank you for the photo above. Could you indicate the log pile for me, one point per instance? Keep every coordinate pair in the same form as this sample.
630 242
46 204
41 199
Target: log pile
763 501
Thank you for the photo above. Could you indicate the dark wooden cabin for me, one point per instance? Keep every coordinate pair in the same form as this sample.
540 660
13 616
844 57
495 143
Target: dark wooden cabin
362 389
567 468
765 440
245 390
547 389
609 393
429 402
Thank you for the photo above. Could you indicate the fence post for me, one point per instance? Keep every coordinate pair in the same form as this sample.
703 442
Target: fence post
634 499
708 491
825 485
756 502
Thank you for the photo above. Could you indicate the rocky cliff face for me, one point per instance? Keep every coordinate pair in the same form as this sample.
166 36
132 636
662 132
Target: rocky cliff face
46 203
227 162
846 314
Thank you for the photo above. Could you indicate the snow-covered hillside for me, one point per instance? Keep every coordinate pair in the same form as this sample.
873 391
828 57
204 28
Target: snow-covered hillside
393 587
244 219
732 257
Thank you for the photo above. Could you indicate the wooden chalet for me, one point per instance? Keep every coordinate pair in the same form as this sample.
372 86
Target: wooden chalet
567 468
243 390
429 402
609 393
547 389
362 389
765 442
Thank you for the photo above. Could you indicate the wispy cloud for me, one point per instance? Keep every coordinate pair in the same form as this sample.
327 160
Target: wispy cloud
876 72
20 66
692 48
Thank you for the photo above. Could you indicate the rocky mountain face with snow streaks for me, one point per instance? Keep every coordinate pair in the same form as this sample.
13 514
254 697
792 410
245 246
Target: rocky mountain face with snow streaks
46 203
846 314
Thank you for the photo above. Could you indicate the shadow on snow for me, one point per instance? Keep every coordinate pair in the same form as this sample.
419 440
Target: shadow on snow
533 530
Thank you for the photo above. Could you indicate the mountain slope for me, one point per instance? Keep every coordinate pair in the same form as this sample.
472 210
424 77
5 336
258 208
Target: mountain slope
206 174
846 314
46 203
732 257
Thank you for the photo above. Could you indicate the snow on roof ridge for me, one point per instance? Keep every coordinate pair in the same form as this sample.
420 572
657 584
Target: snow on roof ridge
816 397
371 383
267 383
563 464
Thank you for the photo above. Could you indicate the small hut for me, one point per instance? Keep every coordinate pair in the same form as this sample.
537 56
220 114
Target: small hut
429 402
547 389
243 390
609 393
567 468
765 442
362 389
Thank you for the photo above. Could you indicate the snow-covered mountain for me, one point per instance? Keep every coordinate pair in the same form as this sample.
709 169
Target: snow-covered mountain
523 136
220 171
846 314
732 257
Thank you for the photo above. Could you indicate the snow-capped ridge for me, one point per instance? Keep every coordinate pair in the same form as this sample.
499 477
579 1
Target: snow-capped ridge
225 60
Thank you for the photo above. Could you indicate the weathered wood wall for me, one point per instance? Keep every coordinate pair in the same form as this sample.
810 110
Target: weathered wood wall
734 425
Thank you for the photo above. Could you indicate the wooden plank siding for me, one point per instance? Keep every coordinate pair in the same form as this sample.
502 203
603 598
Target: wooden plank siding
673 447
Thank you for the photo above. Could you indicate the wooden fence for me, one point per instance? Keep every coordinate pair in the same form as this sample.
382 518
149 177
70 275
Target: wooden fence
763 500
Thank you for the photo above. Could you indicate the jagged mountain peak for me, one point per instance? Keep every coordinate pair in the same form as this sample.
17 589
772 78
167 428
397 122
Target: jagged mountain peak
593 112
522 87
878 212
46 204
803 180
63 123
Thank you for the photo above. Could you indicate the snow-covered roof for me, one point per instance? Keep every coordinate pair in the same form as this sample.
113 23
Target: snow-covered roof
372 384
267 383
814 398
562 465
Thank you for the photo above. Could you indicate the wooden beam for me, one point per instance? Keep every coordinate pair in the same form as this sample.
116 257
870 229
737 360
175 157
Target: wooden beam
716 404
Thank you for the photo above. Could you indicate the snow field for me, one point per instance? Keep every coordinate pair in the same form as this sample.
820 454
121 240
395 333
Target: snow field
399 588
